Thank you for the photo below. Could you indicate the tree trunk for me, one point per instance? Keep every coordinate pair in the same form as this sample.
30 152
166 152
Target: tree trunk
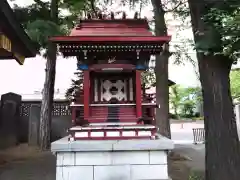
48 91
161 71
222 143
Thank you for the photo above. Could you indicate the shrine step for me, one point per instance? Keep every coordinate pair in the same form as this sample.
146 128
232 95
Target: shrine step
113 119
113 124
113 115
113 132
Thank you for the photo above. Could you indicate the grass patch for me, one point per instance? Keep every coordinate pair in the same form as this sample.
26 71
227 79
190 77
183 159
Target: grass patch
196 175
198 118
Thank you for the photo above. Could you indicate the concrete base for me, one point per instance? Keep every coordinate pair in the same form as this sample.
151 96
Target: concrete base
112 160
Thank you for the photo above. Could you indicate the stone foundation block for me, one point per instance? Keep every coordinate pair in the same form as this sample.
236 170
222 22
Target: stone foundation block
140 160
149 172
66 159
74 173
120 172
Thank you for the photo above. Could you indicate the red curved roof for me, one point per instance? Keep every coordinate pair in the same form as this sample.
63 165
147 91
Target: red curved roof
111 30
129 27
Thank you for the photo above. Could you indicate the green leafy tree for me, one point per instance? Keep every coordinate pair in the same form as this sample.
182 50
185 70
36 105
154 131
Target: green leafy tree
75 87
41 21
226 20
184 101
188 108
175 99
148 78
48 89
216 40
189 102
235 84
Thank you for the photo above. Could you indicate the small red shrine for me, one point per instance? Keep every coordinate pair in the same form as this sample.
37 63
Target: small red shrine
112 53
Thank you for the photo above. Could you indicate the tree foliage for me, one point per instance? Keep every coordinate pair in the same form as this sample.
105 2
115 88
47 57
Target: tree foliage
37 21
235 84
215 65
223 33
76 86
185 101
41 30
41 21
148 78
37 11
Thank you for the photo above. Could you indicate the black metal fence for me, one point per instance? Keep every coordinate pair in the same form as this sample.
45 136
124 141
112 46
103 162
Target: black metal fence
198 135
61 118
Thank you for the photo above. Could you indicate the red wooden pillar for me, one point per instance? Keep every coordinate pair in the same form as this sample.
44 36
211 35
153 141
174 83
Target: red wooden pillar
138 94
86 89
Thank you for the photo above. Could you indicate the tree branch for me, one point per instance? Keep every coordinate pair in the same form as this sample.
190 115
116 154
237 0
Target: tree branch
92 5
177 6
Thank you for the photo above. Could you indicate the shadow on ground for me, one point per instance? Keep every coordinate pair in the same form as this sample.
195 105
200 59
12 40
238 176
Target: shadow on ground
24 163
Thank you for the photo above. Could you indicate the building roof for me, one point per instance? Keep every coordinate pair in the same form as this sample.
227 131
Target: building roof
112 30
113 35
10 27
38 97
112 27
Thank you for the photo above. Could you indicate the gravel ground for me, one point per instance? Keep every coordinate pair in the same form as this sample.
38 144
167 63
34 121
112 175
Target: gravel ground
35 168
26 163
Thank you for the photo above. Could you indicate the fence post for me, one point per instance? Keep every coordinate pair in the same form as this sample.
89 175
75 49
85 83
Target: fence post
198 135
34 123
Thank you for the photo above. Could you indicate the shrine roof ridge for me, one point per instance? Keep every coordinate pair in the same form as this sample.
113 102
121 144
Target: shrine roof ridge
111 30
132 22
149 39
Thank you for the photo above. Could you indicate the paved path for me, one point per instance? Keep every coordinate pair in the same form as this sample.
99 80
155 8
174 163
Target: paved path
182 132
182 136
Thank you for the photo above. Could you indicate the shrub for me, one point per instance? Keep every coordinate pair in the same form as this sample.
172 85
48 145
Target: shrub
198 118
196 175
173 116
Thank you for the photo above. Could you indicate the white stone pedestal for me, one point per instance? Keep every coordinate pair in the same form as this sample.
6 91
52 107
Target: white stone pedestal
112 160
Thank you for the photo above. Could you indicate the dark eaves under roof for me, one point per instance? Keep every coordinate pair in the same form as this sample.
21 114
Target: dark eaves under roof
170 83
9 15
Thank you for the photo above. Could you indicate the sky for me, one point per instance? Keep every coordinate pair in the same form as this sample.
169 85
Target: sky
30 77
